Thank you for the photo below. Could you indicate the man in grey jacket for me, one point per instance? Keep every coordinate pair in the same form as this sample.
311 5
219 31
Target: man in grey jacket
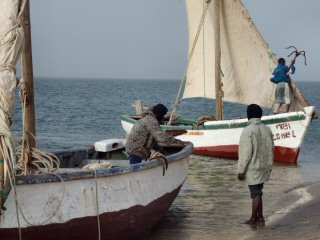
146 133
255 159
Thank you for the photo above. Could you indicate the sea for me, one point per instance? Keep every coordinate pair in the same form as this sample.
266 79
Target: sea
212 204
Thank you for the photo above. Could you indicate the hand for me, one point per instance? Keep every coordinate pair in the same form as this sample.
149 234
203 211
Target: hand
241 176
186 142
293 62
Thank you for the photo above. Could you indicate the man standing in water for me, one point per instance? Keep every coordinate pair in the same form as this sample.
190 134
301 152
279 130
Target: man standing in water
146 133
255 159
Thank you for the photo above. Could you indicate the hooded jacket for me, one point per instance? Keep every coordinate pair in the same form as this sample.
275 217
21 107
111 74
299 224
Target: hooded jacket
145 134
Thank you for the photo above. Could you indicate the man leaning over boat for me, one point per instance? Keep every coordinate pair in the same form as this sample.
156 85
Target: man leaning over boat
280 76
146 134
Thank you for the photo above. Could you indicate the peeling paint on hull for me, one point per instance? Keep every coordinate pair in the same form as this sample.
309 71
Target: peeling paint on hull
125 224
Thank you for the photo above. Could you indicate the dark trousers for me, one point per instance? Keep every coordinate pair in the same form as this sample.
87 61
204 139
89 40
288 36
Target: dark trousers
134 159
256 190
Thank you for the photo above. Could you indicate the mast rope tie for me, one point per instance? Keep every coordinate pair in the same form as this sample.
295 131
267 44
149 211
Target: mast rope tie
9 67
17 24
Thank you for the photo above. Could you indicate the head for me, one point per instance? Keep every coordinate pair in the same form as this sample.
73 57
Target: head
254 111
159 111
282 61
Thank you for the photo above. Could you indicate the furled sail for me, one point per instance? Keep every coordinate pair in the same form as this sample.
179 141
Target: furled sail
246 60
11 43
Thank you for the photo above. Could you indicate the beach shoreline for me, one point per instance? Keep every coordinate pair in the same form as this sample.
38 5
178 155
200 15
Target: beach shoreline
296 216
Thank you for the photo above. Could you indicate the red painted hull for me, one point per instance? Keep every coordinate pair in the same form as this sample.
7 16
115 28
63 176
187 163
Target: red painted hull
125 224
281 154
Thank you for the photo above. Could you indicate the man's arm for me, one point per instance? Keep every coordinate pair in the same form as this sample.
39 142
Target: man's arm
292 68
161 136
245 154
270 162
273 76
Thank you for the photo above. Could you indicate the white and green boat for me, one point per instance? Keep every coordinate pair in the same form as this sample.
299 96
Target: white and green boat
230 61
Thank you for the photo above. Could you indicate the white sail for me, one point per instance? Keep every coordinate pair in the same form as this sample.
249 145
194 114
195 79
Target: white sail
246 60
11 43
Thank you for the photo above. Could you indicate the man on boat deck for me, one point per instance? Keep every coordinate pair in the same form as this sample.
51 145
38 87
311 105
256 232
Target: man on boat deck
146 133
281 77
255 159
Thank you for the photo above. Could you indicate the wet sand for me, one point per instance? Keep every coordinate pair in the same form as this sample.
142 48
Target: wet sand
298 216
213 204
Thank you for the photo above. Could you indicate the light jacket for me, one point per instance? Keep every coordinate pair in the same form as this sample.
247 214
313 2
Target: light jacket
144 136
256 152
281 73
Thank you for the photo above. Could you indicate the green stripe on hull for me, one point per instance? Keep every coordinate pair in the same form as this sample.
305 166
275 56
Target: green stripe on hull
190 125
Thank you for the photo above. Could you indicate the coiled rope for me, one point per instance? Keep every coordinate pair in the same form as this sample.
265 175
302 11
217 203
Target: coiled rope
41 161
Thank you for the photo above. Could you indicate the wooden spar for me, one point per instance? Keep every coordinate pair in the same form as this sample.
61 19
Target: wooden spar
218 84
27 73
139 107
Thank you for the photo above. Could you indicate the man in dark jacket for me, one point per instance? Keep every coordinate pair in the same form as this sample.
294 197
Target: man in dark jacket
146 133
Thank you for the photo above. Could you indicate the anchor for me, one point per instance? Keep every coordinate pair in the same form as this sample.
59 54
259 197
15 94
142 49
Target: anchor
297 54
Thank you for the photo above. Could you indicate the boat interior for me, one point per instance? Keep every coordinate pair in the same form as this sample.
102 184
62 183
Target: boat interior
111 151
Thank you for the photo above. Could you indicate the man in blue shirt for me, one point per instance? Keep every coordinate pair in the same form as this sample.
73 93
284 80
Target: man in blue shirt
281 77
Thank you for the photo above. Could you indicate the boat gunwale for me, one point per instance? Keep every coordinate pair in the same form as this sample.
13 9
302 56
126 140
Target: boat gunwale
100 173
227 125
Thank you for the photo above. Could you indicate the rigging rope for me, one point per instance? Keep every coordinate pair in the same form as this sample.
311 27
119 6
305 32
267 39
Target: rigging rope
40 159
176 104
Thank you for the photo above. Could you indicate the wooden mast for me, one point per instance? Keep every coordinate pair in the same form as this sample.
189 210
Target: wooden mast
218 83
27 73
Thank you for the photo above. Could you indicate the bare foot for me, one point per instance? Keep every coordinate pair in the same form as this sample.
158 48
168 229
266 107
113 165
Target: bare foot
251 222
261 221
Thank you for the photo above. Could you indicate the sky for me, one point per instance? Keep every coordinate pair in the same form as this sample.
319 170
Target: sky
148 39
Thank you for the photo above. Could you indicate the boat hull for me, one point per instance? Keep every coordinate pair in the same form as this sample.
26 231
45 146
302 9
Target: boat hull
125 224
221 138
130 200
281 154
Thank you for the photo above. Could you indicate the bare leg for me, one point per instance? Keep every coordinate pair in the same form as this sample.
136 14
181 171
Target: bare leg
256 202
260 217
277 108
287 107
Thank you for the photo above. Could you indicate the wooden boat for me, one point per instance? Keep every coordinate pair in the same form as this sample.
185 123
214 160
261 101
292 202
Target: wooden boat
93 202
221 138
230 61
122 202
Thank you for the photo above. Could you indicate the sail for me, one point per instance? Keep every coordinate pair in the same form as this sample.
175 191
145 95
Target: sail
11 43
247 61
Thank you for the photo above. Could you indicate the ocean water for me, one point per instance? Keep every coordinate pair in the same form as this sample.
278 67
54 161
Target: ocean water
212 204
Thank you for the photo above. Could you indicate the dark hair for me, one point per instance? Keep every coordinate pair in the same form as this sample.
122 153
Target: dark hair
281 60
254 111
159 110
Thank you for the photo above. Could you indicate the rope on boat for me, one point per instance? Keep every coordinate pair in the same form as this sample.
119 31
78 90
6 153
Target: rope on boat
203 119
97 204
40 159
54 212
200 26
161 158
